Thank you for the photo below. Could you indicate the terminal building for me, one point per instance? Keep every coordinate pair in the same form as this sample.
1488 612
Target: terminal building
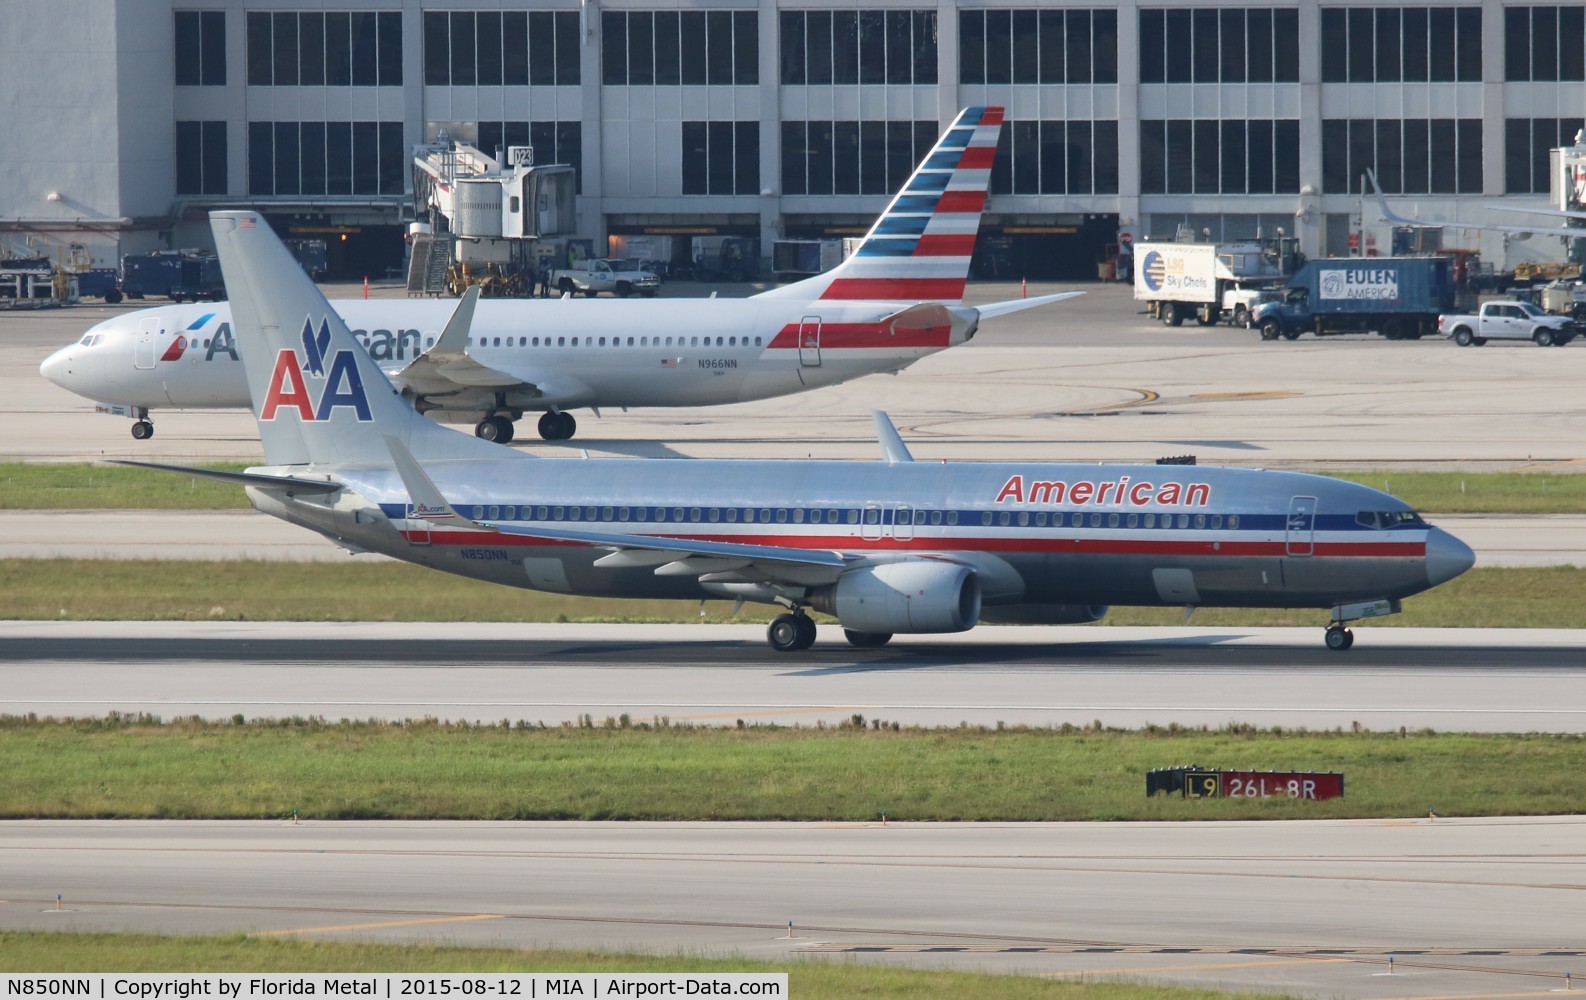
779 119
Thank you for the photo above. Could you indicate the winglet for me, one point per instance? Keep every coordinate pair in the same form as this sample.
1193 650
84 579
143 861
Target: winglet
892 447
1388 213
425 502
454 339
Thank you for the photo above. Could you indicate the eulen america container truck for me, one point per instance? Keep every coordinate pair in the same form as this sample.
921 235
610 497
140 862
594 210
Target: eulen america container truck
1398 297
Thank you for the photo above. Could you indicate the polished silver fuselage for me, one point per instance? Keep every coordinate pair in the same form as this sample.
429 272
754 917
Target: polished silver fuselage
1037 535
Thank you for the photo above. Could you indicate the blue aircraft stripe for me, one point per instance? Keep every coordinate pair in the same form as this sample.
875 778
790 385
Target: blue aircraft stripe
928 182
902 225
944 159
200 321
888 247
957 138
914 203
973 116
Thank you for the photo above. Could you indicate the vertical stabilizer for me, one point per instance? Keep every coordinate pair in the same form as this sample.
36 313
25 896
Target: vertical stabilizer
317 395
919 249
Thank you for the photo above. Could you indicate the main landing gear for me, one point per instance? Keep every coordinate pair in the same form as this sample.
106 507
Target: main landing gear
557 425
791 633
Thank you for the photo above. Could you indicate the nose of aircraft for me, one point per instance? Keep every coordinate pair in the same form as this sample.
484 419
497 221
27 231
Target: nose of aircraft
1446 557
58 366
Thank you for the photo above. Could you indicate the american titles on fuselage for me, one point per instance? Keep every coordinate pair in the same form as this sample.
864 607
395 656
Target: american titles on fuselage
1117 492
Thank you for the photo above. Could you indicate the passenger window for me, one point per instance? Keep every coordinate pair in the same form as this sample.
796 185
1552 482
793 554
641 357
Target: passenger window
561 341
748 515
590 514
1024 518
479 513
1132 521
559 514
539 513
715 513
1217 521
952 517
1233 521
641 513
985 519
693 514
602 341
798 515
495 513
622 513
1200 520
677 514
781 515
1150 520
853 517
1040 519
1005 519
660 514
1112 520
1095 520
765 515
936 517
816 515
732 514
1183 520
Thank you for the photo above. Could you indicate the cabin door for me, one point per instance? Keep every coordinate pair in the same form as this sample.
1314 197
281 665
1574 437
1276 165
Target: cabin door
810 342
1300 528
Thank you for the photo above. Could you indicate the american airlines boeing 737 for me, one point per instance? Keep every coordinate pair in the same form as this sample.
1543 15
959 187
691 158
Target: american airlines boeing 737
895 300
888 547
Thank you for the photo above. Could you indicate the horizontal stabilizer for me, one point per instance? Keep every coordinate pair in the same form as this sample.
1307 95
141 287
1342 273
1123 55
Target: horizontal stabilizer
241 478
1019 305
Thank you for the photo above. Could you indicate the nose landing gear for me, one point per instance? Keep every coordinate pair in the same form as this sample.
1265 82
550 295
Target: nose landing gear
1339 637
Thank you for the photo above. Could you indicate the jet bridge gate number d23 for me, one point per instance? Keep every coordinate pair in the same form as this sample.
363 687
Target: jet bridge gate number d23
1203 783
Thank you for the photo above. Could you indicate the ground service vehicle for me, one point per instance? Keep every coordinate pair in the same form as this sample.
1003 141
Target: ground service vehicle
1508 320
617 275
1398 297
176 274
1180 280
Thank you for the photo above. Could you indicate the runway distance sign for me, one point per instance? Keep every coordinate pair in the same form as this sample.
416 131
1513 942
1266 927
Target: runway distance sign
1310 785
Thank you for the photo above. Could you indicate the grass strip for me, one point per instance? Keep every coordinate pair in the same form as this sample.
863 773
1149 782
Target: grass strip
122 767
807 979
50 486
101 486
264 590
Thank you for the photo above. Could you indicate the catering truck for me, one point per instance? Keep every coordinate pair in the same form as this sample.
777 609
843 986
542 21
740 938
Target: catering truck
1207 281
1399 297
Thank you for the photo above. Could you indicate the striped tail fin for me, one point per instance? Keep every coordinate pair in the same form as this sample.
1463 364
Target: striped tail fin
919 249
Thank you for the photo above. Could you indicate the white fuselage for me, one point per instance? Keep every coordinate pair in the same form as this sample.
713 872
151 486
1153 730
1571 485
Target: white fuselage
565 352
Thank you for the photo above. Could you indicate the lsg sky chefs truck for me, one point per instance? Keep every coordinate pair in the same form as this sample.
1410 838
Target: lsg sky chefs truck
1398 297
1209 281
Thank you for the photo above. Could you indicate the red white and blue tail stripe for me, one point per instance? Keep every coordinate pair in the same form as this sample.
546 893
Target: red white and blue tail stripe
919 249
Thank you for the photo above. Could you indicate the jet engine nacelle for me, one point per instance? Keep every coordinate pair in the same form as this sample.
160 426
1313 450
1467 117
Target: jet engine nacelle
1044 614
903 597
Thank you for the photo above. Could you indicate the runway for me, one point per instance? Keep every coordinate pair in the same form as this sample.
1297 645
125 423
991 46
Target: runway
1482 680
1466 907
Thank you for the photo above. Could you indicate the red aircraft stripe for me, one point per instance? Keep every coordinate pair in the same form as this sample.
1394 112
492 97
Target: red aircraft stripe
977 158
836 336
952 245
174 352
922 289
991 116
1071 546
961 201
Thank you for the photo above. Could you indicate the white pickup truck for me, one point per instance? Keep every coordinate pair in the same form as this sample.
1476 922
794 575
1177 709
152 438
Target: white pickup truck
620 277
1508 320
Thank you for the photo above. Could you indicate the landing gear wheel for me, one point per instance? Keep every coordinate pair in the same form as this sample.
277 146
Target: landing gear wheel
142 430
557 426
866 639
806 627
495 428
1339 638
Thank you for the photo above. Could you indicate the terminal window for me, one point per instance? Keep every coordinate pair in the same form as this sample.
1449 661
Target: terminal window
200 37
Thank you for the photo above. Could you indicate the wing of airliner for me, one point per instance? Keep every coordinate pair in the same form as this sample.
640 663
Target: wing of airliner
1521 231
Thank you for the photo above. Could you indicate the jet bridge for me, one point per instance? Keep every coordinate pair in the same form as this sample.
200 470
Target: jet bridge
480 216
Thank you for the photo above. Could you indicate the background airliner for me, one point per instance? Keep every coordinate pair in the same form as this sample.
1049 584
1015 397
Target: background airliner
887 547
894 301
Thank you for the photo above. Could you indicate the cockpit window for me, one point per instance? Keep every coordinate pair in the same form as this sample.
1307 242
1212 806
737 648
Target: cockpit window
1387 518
